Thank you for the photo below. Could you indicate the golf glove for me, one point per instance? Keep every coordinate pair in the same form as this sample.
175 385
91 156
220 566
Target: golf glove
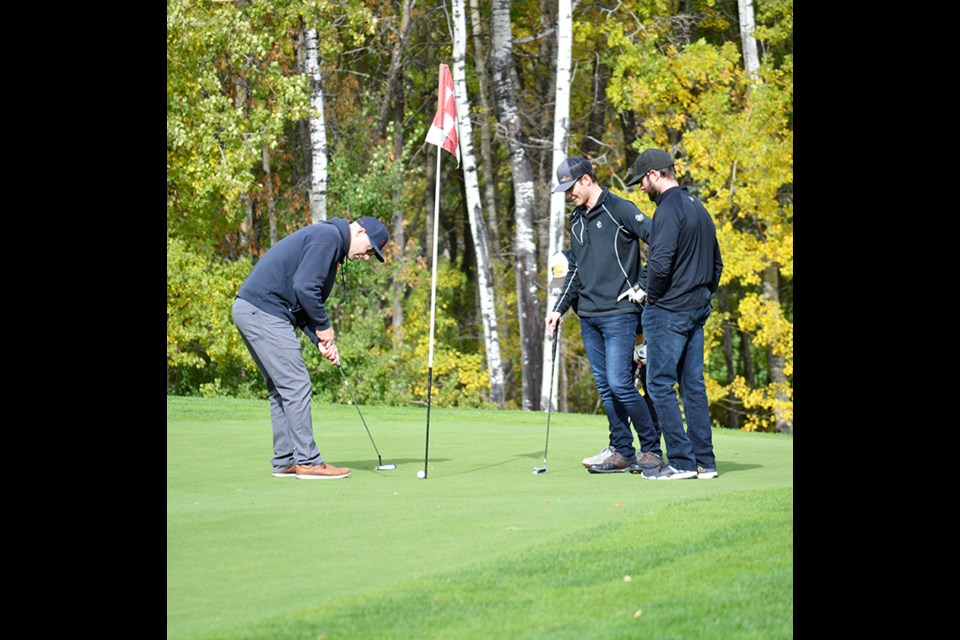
640 353
636 294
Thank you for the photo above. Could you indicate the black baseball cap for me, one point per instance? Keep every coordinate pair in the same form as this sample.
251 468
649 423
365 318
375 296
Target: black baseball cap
377 233
647 161
571 170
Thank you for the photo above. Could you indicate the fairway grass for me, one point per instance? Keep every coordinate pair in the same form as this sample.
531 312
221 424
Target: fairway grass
482 547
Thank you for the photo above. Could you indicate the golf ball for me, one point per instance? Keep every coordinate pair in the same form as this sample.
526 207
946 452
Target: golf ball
421 474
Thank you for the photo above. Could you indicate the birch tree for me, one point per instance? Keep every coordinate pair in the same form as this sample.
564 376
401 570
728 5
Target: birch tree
561 124
486 146
318 132
488 310
751 61
524 243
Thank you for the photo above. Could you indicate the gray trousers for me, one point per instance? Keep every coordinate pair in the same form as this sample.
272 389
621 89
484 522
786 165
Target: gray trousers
273 343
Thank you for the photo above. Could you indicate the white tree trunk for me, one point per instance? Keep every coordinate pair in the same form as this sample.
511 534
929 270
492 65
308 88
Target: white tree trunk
488 308
561 123
486 151
318 133
751 61
524 244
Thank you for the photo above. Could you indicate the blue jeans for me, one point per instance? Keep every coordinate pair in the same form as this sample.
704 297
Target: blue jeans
608 341
675 357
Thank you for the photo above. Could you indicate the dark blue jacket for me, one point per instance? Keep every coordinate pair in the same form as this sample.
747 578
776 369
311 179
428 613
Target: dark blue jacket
684 265
294 277
604 259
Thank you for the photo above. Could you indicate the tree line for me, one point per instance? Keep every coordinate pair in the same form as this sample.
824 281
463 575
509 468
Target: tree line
285 113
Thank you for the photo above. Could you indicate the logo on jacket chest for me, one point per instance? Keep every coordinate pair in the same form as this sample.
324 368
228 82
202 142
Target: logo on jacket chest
599 224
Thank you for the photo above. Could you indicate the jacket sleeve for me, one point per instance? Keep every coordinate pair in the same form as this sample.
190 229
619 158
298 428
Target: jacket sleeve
570 293
644 227
717 267
316 263
662 251
641 226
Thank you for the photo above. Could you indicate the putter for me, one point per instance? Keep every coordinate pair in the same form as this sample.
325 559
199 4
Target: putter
553 360
380 465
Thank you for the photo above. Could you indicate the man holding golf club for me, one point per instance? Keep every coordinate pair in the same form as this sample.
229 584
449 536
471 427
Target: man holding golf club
603 277
287 289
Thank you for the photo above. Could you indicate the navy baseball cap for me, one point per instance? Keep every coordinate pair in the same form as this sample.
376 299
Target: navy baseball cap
571 170
377 232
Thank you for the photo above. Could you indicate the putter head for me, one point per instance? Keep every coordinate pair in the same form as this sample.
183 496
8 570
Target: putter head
386 467
537 470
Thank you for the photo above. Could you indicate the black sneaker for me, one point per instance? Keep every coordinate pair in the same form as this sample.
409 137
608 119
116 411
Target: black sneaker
614 464
666 472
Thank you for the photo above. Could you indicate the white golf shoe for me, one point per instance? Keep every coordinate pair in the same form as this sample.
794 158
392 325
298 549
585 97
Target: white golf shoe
600 458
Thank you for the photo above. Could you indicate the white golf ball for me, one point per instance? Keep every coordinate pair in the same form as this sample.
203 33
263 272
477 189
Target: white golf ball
421 474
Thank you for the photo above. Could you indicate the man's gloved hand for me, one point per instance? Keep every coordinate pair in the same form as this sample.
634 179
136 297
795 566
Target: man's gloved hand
636 294
640 353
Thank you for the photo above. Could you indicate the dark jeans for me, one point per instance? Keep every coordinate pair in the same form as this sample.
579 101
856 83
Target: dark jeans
608 341
675 357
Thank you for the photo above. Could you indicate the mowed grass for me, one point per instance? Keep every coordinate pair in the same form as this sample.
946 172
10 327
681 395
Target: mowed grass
482 547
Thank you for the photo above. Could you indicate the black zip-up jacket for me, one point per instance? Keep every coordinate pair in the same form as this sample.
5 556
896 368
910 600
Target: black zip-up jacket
604 258
294 278
684 265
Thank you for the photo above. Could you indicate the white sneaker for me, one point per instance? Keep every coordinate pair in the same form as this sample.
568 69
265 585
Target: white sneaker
600 458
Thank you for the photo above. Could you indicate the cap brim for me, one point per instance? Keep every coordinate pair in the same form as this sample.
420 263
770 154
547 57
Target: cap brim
563 186
378 254
634 180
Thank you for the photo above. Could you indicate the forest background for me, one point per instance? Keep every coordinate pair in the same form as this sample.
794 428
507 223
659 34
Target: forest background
284 113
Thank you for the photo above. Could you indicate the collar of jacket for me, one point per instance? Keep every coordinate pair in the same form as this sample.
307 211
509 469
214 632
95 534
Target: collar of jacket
344 228
677 189
581 210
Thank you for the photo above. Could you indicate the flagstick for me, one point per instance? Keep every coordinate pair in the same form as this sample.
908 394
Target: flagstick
433 308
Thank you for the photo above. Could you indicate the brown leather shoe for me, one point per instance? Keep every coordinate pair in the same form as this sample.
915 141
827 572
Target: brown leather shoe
614 464
289 472
322 471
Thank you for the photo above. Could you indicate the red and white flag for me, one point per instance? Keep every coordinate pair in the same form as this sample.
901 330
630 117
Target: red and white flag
443 131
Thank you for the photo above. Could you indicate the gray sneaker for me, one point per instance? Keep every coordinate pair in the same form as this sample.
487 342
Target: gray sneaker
600 458
666 472
646 460
706 474
616 463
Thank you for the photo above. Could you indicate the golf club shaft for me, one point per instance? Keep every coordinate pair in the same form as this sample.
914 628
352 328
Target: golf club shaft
354 398
553 368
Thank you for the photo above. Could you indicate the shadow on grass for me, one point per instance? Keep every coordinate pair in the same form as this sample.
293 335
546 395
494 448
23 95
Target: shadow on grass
370 464
735 467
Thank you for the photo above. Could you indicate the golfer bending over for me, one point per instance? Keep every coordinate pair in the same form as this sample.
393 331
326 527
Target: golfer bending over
287 289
